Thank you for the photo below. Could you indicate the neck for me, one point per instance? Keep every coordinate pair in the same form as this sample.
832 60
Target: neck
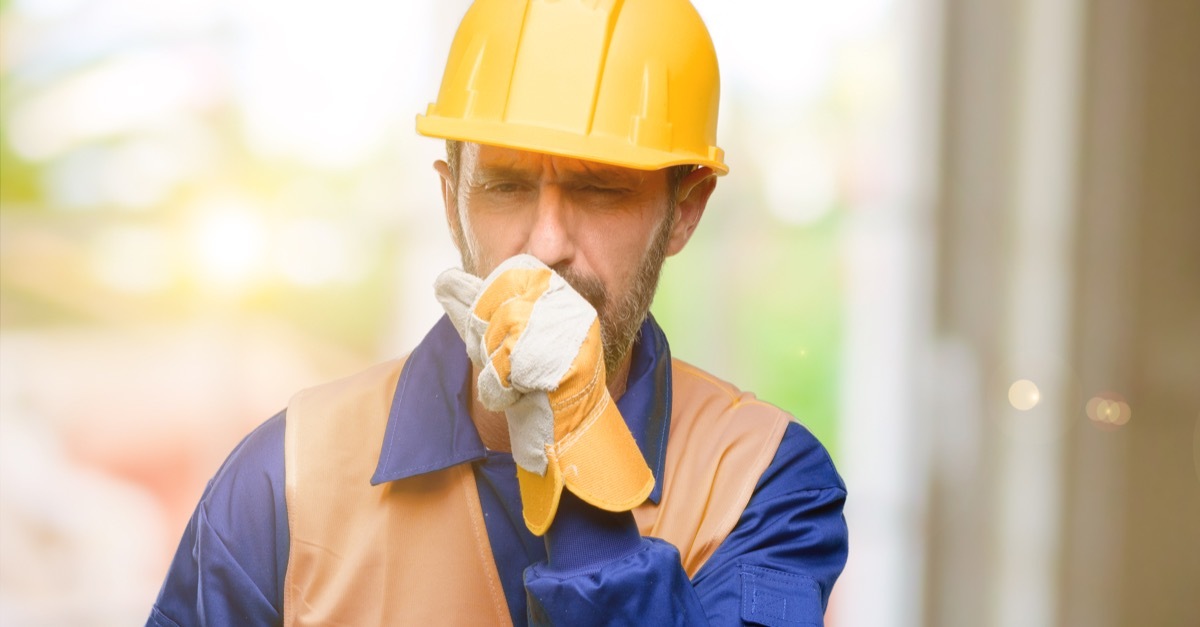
493 426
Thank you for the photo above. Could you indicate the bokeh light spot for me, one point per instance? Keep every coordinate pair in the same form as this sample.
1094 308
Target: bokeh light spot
1108 409
229 241
1024 395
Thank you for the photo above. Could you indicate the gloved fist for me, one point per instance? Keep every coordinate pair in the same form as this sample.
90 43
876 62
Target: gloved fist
537 345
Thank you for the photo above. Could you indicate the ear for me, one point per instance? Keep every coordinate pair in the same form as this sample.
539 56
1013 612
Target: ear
694 191
449 200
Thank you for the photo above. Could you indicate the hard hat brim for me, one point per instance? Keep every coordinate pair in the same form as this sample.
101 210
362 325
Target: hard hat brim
600 149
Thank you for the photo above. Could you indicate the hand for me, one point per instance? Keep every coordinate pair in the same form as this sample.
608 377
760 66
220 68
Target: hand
537 344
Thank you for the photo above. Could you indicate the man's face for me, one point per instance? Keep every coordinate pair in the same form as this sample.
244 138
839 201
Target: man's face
605 229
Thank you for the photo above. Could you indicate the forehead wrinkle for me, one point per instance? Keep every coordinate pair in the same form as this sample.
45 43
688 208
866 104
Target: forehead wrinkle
513 170
579 171
502 171
491 160
531 166
599 173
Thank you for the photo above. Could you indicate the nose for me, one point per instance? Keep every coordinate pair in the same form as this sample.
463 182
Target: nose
550 238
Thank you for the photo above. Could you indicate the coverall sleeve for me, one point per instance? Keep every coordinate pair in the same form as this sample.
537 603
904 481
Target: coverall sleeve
776 567
230 564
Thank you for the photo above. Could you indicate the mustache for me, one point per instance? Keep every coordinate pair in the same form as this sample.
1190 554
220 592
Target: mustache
589 287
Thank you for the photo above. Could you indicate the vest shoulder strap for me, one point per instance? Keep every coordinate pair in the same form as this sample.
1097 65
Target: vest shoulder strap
408 552
721 441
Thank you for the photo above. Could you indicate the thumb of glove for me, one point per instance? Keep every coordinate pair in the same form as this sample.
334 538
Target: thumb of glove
457 290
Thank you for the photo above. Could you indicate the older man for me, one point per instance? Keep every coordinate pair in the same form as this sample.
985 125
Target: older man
539 457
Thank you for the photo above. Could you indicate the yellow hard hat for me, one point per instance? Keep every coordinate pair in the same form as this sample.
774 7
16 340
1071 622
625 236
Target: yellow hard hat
630 83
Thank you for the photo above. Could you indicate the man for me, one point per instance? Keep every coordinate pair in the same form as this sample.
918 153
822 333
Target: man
539 457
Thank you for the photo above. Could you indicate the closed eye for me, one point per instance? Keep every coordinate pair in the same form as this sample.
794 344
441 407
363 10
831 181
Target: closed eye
502 187
601 190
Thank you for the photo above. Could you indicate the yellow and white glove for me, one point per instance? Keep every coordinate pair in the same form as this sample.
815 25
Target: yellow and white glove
537 344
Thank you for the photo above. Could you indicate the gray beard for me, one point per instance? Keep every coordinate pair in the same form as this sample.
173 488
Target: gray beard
621 318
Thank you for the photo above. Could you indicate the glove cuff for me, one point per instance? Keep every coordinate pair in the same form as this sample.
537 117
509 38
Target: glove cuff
598 461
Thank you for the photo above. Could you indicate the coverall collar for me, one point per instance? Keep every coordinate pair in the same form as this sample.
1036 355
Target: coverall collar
429 426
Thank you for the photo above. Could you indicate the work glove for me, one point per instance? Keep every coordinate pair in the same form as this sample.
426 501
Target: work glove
537 345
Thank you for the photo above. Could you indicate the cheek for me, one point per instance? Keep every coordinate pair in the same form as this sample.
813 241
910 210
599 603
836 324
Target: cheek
613 251
492 239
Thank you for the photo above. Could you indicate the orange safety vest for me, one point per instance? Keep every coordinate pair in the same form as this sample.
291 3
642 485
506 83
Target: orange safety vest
415 551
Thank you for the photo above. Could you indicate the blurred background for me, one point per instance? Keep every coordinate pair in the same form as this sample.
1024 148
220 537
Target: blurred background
958 241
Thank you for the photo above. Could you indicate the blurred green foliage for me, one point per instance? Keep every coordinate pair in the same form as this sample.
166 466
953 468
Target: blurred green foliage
775 310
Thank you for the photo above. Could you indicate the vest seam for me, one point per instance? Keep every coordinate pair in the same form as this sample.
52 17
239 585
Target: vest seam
730 519
297 420
489 561
707 378
289 482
